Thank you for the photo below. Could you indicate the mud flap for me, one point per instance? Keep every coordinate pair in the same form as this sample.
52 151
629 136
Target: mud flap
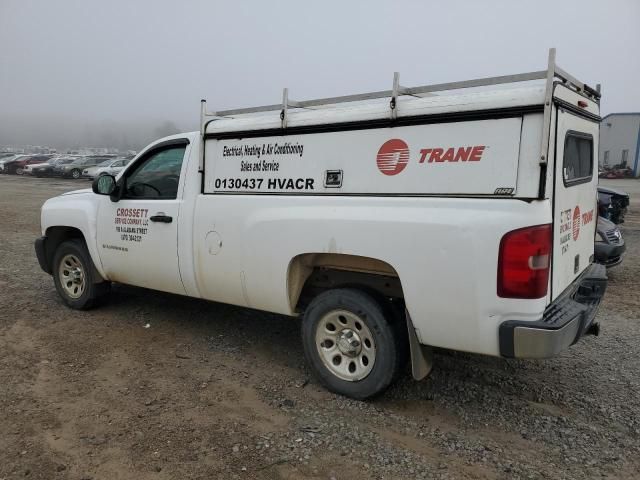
421 355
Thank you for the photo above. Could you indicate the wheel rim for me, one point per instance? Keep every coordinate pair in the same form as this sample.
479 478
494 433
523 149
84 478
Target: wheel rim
71 275
75 174
345 345
19 171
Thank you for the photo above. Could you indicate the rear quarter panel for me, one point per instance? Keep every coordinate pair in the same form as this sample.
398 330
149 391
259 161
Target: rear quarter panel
444 250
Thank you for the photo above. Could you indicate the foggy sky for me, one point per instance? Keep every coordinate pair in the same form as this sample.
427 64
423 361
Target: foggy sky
71 70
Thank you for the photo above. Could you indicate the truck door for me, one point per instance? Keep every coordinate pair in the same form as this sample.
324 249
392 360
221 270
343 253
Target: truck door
138 235
575 194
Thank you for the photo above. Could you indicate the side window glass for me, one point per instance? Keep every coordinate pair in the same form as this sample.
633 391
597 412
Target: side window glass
578 159
157 176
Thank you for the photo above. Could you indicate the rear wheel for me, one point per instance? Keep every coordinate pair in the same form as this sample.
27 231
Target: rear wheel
75 173
19 171
352 343
74 276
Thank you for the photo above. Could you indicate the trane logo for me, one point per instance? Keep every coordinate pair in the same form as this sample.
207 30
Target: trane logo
576 223
452 154
393 156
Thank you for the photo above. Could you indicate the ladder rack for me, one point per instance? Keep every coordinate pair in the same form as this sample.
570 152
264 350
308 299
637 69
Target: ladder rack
552 73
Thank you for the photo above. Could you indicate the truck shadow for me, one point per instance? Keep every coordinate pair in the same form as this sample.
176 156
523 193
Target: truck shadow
458 378
485 397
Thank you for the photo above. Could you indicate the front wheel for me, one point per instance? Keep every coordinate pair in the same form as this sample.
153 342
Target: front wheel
75 173
74 276
352 343
19 171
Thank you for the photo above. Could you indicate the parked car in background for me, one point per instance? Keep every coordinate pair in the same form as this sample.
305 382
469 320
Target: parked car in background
612 204
609 246
75 168
617 171
16 166
46 169
110 167
6 160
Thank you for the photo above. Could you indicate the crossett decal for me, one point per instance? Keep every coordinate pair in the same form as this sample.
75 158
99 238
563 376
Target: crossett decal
452 154
132 224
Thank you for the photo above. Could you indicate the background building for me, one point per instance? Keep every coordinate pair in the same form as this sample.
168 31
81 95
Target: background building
620 141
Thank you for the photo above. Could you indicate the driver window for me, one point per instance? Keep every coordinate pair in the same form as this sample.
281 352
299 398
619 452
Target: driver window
157 176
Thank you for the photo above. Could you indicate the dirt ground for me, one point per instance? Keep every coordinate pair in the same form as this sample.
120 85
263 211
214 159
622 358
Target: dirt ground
157 386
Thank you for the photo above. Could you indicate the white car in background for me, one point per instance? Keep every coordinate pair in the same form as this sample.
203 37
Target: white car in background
110 167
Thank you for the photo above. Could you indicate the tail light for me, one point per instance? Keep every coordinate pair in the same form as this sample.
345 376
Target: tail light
523 262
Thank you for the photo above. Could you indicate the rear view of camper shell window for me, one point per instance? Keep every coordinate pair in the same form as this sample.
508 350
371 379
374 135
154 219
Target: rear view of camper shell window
578 158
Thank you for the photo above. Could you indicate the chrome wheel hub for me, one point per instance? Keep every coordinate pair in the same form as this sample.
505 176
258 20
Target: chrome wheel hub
349 343
345 345
71 276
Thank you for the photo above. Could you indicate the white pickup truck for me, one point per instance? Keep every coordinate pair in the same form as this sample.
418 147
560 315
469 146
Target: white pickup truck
459 216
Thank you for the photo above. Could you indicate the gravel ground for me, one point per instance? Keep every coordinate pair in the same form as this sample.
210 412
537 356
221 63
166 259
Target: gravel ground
213 391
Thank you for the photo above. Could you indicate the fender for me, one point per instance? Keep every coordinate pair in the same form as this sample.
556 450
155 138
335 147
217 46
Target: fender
77 209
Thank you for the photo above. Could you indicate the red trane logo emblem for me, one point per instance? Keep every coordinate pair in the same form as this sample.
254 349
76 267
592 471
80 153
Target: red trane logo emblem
393 156
576 223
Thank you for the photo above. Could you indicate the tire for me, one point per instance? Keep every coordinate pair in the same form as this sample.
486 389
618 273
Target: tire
75 173
369 359
19 171
77 290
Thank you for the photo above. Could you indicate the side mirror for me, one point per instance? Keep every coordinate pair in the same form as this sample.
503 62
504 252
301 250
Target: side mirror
104 185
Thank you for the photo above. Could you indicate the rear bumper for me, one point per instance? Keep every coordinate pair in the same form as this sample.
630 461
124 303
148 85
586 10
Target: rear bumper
564 321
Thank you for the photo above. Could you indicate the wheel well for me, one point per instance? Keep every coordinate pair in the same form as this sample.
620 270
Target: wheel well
57 235
312 273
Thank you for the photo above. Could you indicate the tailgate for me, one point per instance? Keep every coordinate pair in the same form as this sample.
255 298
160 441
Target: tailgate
575 195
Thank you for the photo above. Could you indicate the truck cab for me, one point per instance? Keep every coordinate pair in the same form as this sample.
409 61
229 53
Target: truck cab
463 221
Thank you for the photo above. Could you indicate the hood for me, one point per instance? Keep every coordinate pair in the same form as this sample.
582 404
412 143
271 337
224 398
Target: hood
76 192
611 191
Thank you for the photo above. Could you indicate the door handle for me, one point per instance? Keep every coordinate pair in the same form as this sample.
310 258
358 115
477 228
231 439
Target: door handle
162 218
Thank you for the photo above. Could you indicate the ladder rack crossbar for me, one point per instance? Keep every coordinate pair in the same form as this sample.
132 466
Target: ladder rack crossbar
552 73
480 82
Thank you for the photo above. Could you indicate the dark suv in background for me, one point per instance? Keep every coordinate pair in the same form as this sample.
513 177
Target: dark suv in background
612 204
47 169
609 245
